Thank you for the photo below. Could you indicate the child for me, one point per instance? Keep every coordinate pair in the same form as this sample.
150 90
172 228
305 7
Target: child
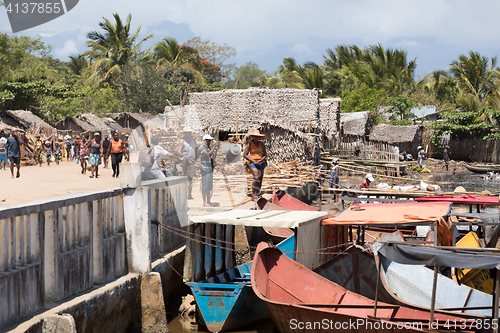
39 150
83 155
57 153
48 152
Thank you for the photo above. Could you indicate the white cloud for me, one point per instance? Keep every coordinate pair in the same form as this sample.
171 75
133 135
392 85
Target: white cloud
69 48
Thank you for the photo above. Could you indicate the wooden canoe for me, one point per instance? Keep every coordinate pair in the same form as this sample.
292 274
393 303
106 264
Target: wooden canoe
412 285
482 168
226 301
300 300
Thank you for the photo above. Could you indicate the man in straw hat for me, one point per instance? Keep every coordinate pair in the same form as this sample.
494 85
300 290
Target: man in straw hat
255 153
207 157
188 149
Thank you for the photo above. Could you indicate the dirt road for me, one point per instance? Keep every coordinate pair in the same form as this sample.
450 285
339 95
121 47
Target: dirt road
43 182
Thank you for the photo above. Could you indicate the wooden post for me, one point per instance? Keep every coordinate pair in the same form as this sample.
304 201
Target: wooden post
378 282
434 281
237 137
496 293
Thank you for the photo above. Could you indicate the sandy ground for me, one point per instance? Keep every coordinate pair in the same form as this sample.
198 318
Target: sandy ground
44 182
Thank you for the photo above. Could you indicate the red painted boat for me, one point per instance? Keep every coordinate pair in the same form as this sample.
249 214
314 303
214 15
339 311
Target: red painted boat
335 238
277 234
466 199
300 300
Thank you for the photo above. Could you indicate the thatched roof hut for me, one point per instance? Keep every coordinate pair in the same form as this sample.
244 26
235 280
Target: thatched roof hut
329 112
131 119
406 137
25 120
73 124
218 109
355 124
284 143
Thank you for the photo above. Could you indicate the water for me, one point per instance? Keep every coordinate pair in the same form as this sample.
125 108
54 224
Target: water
471 182
189 325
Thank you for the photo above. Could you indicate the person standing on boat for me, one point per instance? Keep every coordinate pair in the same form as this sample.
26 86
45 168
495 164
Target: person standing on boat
365 184
188 149
255 153
421 155
446 158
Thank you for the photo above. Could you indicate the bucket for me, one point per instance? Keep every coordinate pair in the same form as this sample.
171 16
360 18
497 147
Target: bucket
130 175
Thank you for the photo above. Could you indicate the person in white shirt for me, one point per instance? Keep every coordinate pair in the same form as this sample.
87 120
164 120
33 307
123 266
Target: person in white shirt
154 172
3 151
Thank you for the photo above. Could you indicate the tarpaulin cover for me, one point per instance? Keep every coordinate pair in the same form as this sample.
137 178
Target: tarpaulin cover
261 218
391 213
410 254
470 199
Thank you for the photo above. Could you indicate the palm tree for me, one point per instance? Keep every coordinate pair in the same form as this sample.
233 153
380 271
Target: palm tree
477 79
168 50
77 64
113 49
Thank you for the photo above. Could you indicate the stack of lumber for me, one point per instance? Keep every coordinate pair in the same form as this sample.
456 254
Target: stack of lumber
283 175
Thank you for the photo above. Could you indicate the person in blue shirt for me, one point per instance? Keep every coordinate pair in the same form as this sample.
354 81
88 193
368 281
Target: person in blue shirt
14 153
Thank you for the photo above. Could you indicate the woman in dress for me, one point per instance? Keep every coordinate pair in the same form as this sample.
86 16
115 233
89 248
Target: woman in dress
95 155
255 153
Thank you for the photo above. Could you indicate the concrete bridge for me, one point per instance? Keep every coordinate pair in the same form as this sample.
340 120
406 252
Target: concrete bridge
78 261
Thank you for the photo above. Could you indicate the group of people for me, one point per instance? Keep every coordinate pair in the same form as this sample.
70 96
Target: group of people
188 153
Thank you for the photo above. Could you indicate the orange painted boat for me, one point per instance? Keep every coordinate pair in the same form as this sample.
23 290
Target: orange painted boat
300 300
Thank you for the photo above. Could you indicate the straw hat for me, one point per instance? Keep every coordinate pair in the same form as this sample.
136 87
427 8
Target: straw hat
207 137
256 133
187 129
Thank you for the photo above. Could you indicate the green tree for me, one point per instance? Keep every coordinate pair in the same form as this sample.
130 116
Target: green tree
248 75
78 64
400 107
477 78
113 49
214 53
170 51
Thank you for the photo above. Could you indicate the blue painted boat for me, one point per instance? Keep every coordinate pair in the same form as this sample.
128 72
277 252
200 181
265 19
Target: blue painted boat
226 301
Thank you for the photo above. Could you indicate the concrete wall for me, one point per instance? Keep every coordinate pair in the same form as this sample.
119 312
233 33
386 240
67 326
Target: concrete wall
55 248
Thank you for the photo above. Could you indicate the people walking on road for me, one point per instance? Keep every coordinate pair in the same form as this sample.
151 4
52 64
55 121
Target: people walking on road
188 149
68 147
154 171
115 149
126 148
3 151
83 154
14 153
105 148
255 153
207 158
95 155
48 152
446 158
38 150
57 152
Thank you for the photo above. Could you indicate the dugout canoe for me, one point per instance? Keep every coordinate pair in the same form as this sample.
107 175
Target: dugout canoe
482 168
226 302
300 300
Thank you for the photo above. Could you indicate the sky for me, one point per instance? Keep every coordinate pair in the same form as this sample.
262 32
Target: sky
435 32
